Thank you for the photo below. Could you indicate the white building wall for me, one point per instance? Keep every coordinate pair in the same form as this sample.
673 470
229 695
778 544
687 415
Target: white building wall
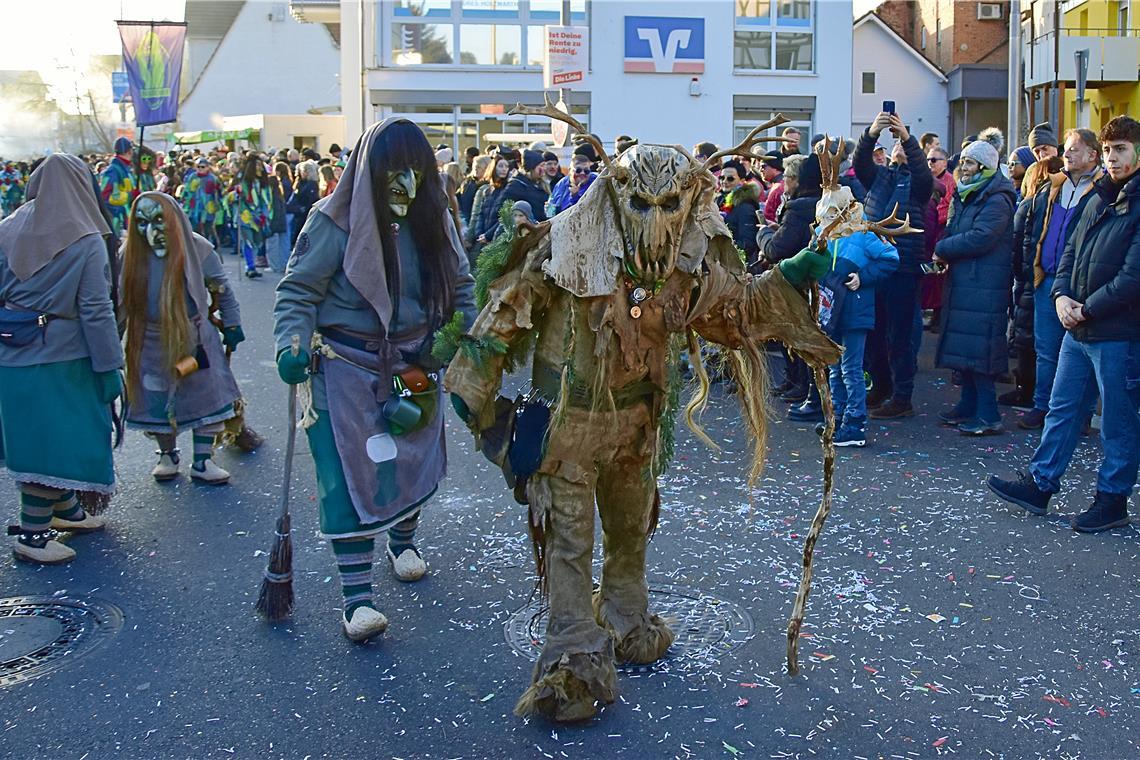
658 107
263 66
919 93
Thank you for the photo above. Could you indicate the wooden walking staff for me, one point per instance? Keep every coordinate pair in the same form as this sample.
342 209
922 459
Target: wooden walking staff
839 215
275 602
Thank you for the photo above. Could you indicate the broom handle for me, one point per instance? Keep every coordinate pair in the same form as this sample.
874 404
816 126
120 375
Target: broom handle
290 436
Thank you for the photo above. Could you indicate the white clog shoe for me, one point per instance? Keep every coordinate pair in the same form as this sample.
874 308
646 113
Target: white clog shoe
409 566
210 473
42 549
167 467
86 524
365 623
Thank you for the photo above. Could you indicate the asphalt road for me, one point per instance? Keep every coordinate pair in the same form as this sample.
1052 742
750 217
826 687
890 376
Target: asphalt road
941 621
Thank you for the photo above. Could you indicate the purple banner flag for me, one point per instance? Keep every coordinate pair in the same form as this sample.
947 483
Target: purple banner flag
152 56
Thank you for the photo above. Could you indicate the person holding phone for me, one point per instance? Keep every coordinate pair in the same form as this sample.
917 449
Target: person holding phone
906 182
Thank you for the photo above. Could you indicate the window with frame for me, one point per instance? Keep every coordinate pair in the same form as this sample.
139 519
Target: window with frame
868 83
499 33
774 35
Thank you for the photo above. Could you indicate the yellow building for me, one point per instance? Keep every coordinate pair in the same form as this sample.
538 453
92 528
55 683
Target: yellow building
1103 28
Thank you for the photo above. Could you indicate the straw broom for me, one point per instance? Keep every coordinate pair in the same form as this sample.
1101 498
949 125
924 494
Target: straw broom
275 602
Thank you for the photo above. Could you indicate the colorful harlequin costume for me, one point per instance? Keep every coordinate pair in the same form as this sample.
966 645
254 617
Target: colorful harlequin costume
11 188
202 198
117 185
250 205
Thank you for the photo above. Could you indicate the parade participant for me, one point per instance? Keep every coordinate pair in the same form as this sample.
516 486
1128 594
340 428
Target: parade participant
11 188
251 206
202 198
643 256
177 374
58 379
117 185
147 182
376 270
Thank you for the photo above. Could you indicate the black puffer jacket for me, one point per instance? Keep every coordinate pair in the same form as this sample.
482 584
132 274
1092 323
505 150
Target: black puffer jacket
1021 335
741 218
978 246
909 185
1101 264
796 218
521 188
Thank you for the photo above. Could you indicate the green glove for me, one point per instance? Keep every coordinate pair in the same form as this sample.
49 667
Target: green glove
293 369
460 407
808 264
231 336
109 385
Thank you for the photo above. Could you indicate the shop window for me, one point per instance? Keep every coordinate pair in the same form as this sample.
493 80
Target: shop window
500 33
490 44
414 44
775 36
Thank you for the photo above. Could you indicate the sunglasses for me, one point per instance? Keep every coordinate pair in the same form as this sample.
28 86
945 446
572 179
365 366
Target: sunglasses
934 160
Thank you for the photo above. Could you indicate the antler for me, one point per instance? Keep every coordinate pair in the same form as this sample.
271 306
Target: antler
551 110
744 148
829 162
892 226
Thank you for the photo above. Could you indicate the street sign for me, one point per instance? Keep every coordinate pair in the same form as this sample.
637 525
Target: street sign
566 54
120 85
1082 57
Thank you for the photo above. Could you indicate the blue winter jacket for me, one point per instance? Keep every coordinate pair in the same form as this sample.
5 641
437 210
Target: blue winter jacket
908 185
875 261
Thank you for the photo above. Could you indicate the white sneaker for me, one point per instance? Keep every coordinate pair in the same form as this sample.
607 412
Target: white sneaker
409 566
86 524
365 623
167 467
44 552
210 473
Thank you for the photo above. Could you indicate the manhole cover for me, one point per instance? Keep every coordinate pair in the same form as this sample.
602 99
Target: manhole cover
704 625
39 634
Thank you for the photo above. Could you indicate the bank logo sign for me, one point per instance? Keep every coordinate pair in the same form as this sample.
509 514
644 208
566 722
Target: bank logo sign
661 45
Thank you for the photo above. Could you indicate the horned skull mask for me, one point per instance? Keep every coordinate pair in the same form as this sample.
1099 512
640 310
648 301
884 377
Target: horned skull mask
656 188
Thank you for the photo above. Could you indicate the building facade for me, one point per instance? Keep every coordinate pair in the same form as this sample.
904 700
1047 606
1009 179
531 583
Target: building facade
1104 32
251 58
969 42
659 71
887 67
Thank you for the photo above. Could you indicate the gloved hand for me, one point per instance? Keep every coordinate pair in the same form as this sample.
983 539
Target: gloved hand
231 336
293 369
460 407
109 385
808 264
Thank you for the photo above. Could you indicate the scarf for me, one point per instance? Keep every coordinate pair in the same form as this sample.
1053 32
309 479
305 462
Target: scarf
966 189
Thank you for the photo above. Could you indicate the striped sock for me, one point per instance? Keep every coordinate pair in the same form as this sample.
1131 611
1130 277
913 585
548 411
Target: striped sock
67 507
36 509
354 565
203 448
401 536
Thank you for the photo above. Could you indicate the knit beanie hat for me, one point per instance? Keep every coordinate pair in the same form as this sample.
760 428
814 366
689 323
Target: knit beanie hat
587 150
525 208
1042 134
986 150
122 145
1025 156
531 159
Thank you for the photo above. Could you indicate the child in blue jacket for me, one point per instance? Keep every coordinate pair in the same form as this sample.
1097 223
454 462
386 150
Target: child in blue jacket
860 262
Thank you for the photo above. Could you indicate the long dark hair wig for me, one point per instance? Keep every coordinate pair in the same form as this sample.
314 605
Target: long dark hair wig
249 173
401 146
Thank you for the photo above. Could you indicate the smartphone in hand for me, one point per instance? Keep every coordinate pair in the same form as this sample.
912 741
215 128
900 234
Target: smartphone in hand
889 106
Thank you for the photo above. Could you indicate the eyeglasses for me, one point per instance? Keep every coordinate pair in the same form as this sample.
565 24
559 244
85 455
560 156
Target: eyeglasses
934 160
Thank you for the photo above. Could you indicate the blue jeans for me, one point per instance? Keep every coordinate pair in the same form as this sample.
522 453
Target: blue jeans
848 389
1111 367
979 398
1047 335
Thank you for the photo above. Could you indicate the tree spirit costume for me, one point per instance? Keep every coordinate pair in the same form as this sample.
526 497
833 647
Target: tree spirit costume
11 188
376 270
177 374
59 356
606 293
117 185
251 206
